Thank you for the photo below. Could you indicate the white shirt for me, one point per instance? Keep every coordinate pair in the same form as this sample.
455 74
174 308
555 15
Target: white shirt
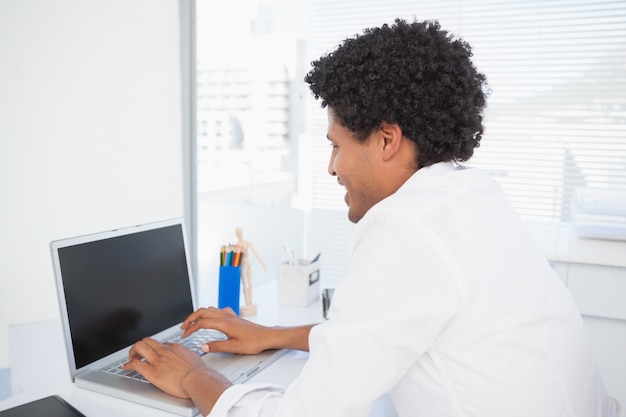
450 308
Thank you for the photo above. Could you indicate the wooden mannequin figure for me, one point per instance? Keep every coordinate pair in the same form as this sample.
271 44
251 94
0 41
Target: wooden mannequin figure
249 309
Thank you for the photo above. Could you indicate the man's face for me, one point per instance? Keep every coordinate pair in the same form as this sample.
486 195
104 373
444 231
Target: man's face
356 166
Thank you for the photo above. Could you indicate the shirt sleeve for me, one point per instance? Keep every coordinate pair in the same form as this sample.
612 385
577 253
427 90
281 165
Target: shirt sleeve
248 400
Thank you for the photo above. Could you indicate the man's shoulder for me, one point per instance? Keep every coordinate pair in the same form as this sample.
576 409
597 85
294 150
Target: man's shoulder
424 193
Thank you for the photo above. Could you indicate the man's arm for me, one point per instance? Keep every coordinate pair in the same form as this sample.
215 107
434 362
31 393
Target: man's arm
245 337
204 388
288 337
177 371
182 373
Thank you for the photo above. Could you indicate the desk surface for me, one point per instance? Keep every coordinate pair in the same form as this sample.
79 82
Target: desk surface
559 242
53 363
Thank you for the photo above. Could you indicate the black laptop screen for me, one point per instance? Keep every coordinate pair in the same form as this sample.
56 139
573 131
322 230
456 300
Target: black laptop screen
121 289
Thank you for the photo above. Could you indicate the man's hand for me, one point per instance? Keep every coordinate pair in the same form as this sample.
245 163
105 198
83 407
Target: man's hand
171 367
177 371
244 337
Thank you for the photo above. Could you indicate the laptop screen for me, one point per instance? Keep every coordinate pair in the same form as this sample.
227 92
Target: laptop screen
121 289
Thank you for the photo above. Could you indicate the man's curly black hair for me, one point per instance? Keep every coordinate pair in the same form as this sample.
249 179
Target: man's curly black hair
413 74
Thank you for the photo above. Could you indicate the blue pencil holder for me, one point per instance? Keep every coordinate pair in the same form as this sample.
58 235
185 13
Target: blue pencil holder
229 287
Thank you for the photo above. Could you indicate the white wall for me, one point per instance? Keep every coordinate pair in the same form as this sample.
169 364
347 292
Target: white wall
90 133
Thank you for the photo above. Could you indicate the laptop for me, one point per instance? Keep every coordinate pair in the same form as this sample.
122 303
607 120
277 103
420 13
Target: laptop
119 286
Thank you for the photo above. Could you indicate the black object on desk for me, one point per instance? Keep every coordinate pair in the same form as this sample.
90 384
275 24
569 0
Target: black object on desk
52 406
327 296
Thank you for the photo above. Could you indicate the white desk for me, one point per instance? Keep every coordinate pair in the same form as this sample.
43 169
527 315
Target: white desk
93 404
41 352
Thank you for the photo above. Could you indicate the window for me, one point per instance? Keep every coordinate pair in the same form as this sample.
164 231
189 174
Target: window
249 123
556 118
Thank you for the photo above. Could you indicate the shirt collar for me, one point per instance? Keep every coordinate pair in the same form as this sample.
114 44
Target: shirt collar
429 171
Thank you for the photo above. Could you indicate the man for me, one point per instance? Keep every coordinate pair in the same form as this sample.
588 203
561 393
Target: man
448 305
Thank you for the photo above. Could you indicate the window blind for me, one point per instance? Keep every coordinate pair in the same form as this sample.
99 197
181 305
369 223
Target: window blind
556 118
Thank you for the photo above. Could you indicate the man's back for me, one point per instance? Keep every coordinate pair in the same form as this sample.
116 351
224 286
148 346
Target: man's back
467 316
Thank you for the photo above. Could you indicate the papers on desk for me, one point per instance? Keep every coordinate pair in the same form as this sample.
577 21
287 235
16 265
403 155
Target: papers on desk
599 213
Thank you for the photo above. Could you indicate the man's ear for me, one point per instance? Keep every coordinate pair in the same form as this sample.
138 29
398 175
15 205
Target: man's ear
392 139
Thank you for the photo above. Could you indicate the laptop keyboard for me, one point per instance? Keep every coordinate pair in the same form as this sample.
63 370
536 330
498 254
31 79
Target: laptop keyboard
198 338
193 343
